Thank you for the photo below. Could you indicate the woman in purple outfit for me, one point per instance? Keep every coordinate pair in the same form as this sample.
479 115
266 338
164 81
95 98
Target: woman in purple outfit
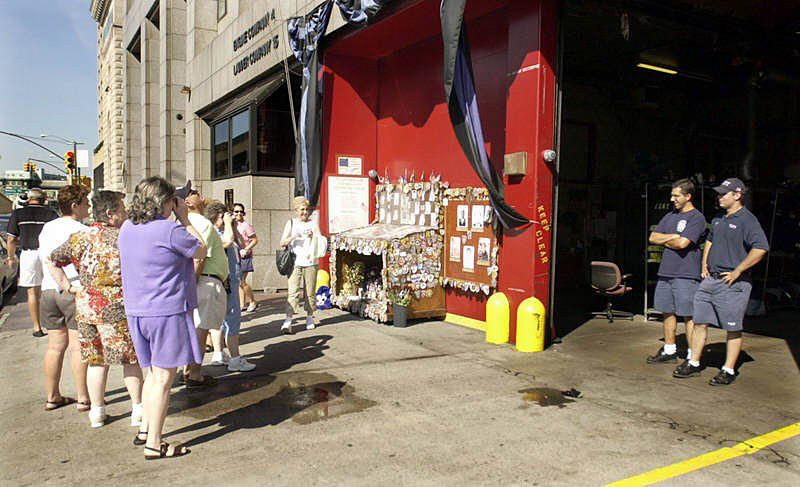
158 287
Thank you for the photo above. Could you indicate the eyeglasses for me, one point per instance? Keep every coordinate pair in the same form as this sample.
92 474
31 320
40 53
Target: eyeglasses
238 211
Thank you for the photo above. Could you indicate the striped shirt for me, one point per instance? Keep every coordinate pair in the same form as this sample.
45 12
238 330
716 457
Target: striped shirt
26 223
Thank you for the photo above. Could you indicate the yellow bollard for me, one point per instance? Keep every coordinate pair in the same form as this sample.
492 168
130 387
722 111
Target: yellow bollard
530 325
497 315
323 279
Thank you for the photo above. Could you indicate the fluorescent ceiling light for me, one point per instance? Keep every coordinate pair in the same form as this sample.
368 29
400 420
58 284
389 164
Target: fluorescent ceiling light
656 68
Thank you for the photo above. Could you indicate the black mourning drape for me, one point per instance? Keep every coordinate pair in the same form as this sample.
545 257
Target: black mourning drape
304 35
459 89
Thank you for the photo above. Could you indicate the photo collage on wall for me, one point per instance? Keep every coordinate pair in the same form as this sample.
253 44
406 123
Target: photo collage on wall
471 247
410 202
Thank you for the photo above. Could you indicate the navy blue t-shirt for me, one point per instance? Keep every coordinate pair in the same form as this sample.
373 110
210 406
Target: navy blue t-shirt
732 238
684 262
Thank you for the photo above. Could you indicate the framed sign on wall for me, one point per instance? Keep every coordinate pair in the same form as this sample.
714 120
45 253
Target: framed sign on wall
348 203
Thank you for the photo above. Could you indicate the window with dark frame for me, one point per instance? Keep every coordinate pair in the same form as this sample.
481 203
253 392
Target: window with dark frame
275 144
240 142
221 137
271 148
222 8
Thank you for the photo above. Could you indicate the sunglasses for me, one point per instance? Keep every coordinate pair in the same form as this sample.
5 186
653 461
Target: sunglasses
238 211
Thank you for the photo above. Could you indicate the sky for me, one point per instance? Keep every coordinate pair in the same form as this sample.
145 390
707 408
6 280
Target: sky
48 77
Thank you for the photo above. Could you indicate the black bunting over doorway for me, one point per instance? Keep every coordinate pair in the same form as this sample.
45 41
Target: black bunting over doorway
304 35
462 104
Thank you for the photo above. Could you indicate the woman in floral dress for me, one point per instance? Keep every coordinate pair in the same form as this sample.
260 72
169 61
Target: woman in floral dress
102 327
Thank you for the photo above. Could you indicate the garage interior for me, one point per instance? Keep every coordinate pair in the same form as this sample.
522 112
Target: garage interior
651 92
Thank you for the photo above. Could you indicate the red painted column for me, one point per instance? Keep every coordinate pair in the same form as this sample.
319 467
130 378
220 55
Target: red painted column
525 255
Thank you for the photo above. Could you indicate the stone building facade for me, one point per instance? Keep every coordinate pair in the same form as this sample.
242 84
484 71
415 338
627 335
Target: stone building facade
109 153
196 89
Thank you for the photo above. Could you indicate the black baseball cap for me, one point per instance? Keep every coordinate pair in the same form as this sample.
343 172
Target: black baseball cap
731 184
183 191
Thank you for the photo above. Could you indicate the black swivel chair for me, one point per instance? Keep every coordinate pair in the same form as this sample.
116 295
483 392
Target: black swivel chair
608 282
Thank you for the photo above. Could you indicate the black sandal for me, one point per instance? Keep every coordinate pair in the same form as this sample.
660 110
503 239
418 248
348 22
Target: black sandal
177 451
137 440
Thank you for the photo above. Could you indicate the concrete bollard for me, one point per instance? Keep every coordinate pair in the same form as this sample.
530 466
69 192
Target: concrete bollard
530 325
497 316
323 279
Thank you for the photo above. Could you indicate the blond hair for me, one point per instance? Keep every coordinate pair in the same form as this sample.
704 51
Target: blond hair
300 201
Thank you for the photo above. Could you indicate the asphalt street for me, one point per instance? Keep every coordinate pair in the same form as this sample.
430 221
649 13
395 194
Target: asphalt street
357 403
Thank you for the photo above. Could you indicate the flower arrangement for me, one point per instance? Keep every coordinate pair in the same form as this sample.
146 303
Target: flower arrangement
400 296
353 276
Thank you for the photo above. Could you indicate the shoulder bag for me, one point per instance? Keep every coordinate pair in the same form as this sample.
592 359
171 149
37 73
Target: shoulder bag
284 257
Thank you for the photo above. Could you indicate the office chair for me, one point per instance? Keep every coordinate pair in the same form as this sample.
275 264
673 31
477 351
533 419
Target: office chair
609 283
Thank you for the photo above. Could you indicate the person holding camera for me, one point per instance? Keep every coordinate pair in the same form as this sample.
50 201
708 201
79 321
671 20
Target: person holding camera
213 285
159 294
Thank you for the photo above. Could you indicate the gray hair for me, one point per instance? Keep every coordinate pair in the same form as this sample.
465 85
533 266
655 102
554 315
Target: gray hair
149 198
36 194
214 210
103 201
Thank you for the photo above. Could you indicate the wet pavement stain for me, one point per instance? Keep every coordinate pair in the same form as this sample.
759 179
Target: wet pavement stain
544 397
256 401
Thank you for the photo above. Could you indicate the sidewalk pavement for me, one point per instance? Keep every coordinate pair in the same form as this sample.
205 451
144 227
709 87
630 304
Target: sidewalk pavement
357 403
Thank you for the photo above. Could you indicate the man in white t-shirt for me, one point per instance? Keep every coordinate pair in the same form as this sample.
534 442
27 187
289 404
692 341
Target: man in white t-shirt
57 305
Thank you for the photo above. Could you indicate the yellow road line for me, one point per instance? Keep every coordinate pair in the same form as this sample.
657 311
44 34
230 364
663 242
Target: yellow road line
747 447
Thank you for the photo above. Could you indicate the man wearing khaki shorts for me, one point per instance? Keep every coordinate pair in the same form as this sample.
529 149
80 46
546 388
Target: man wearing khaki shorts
212 274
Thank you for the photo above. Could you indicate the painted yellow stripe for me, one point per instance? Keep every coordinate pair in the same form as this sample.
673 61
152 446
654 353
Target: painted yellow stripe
747 447
464 321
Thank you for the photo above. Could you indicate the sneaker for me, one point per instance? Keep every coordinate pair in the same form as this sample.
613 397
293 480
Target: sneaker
97 416
252 307
663 358
286 329
136 414
686 370
220 358
310 322
240 364
722 379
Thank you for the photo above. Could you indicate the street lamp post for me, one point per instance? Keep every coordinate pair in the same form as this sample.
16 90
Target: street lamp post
26 139
75 145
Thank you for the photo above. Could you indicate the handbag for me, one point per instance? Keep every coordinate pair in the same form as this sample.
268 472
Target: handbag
284 257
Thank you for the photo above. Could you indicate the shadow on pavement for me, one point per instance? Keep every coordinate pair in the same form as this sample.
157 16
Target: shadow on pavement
304 397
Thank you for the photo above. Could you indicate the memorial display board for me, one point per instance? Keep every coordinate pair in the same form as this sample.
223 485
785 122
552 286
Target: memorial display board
470 260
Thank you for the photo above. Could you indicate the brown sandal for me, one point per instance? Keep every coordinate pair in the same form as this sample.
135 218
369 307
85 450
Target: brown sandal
137 440
164 451
60 403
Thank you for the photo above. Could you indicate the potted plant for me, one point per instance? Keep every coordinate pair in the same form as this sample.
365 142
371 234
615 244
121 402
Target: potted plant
400 299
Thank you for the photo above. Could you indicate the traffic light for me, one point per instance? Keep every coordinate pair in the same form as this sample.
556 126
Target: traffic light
69 161
26 166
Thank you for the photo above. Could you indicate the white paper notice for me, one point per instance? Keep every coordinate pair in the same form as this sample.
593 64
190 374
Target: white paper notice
349 165
469 258
348 203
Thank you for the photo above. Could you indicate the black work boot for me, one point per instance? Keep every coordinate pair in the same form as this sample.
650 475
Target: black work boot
663 358
686 370
722 379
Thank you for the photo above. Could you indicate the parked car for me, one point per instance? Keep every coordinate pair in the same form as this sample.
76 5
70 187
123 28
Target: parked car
9 275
